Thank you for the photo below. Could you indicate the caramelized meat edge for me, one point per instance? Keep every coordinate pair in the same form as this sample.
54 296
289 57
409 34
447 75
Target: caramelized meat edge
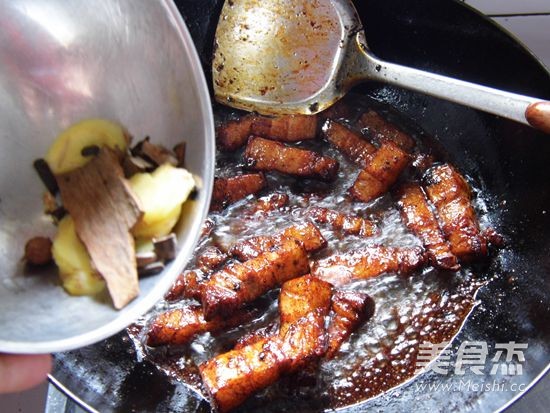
239 283
451 195
233 134
352 144
232 377
181 325
288 128
307 234
350 309
380 173
384 131
348 224
267 155
420 219
230 190
187 285
340 269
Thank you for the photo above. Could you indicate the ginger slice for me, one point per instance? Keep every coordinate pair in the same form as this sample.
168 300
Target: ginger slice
104 209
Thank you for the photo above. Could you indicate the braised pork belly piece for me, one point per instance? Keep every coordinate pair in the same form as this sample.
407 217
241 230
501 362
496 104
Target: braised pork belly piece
211 258
420 219
190 283
340 110
384 131
269 203
348 224
352 144
181 325
240 283
267 155
381 172
287 128
307 234
305 304
187 285
254 336
350 309
230 190
300 297
233 134
341 269
230 378
451 195
252 247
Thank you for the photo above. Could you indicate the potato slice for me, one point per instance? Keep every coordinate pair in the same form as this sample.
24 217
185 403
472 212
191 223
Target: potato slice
75 267
162 193
65 154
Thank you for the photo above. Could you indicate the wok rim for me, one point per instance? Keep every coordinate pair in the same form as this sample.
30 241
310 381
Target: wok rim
529 386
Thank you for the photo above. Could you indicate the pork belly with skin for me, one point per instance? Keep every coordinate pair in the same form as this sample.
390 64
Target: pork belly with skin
227 191
451 195
381 172
267 155
351 143
307 234
187 285
350 309
239 283
347 223
420 219
232 377
211 258
181 325
341 269
233 134
300 297
254 336
269 203
287 128
383 131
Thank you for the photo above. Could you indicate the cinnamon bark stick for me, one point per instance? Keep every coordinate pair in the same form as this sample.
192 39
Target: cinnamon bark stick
104 209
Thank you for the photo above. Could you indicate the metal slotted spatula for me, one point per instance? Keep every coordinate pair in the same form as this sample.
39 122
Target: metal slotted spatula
298 56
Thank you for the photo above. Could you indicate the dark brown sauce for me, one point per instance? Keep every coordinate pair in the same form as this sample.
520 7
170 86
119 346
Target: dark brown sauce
429 306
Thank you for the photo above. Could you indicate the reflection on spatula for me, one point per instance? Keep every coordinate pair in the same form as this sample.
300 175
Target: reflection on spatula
301 56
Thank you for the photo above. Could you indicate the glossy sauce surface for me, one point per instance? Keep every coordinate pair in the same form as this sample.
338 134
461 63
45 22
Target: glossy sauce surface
429 305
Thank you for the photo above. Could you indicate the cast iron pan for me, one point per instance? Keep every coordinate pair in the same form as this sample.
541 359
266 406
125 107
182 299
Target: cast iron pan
511 160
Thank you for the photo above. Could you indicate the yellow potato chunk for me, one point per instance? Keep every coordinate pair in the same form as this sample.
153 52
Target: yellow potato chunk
65 154
74 263
144 245
162 193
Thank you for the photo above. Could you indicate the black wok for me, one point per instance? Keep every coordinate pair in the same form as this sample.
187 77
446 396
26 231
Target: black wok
510 160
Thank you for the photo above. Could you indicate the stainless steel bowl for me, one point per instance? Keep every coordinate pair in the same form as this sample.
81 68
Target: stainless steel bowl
132 61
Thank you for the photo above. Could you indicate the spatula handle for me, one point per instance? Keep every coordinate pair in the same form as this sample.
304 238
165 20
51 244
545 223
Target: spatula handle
525 109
